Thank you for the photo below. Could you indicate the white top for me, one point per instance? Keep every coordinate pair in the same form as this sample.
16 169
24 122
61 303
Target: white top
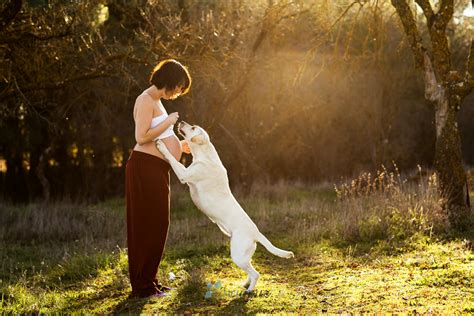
160 118
157 120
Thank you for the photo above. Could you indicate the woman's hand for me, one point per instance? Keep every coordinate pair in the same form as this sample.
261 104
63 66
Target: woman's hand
173 118
185 147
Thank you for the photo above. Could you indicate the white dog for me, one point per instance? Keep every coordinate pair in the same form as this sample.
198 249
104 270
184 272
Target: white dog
210 192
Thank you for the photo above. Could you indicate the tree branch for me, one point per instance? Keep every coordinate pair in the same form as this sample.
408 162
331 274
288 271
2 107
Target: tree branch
9 92
445 13
16 37
439 41
269 23
411 30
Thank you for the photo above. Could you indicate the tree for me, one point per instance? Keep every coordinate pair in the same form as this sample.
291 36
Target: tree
446 89
47 52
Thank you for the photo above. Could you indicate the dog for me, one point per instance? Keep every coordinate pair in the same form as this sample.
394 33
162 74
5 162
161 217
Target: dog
209 187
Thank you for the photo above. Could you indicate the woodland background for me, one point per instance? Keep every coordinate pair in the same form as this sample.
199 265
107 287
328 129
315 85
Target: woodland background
319 115
313 91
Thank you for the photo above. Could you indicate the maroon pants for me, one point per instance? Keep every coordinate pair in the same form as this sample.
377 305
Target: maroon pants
148 215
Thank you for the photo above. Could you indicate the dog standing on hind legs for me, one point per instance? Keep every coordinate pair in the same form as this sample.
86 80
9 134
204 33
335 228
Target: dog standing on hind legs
210 192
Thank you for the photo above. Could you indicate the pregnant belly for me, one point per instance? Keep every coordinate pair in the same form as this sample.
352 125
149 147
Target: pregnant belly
173 145
171 142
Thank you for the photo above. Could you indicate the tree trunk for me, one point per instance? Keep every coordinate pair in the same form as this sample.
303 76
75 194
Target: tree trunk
448 163
446 89
448 155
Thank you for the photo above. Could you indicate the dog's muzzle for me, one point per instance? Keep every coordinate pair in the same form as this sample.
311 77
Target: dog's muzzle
180 125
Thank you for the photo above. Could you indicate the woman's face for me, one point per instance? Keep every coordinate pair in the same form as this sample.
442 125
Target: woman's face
174 93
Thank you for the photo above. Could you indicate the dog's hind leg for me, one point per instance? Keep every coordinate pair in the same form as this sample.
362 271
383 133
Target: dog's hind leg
254 275
241 252
247 282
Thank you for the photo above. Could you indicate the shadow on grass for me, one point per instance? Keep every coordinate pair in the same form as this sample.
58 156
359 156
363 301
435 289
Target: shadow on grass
130 306
191 294
50 266
92 302
199 295
78 267
237 305
202 292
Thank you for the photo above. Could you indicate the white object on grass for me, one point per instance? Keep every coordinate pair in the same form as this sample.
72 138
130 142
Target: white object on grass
172 276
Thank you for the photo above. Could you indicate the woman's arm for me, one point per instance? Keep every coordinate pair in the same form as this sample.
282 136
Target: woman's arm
143 116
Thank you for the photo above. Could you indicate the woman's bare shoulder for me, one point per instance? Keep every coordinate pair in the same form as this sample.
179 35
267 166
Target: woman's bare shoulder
144 98
143 104
144 101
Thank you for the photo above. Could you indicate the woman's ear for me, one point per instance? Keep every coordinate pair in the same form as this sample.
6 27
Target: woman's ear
198 139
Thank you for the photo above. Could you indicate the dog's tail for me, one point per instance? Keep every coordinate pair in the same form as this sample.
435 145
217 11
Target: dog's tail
274 250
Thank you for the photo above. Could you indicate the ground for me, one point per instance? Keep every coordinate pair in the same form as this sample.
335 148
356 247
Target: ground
420 272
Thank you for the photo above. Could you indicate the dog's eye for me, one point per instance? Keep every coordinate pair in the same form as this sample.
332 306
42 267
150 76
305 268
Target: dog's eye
193 128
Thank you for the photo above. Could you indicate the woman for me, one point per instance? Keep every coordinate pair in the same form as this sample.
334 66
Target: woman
147 177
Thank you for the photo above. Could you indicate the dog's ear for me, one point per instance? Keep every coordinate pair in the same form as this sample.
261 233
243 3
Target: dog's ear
198 139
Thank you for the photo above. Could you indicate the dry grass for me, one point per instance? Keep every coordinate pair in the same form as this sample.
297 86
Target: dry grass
365 209
388 206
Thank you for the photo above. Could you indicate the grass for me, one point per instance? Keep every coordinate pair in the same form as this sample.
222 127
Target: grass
381 251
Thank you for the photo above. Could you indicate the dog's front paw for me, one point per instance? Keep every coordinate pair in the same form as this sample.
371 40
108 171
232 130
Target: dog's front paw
161 147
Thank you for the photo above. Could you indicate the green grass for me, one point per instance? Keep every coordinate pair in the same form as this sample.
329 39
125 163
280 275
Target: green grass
343 263
432 277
